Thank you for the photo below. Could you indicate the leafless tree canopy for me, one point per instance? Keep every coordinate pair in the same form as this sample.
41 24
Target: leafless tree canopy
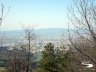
83 16
2 16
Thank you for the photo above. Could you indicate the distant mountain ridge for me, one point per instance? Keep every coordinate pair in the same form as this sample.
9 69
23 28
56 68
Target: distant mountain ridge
45 34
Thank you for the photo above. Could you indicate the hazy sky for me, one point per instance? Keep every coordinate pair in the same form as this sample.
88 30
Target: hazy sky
43 13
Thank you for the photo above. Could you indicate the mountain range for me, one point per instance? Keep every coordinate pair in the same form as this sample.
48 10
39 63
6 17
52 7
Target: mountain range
43 34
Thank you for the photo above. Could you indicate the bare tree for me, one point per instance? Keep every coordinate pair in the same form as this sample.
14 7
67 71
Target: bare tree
17 59
2 40
21 57
2 16
2 11
83 17
30 36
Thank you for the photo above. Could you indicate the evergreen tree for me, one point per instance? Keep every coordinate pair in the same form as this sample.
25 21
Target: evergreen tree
47 63
53 60
62 60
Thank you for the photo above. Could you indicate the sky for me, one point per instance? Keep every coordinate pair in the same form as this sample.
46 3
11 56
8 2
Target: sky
42 13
